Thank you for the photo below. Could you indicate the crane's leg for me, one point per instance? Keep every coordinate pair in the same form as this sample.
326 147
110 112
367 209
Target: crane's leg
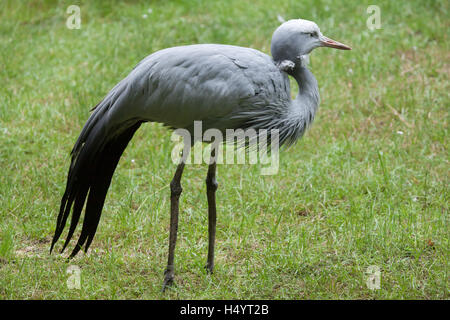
211 187
175 192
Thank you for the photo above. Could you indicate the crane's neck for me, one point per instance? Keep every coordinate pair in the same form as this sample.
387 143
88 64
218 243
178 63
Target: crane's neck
307 100
301 111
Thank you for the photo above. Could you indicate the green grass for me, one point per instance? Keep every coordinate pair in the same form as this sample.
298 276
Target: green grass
353 193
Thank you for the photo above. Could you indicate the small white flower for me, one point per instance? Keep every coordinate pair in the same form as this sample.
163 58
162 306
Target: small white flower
132 161
144 16
350 71
400 132
150 10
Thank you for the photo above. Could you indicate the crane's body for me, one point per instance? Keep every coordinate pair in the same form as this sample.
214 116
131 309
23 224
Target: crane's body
224 86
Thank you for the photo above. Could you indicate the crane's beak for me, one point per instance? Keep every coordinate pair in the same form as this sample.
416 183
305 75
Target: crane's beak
327 42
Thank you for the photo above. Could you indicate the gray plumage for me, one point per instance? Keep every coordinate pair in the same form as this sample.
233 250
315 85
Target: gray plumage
224 86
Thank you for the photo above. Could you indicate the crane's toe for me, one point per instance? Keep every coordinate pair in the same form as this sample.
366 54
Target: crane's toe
169 275
209 268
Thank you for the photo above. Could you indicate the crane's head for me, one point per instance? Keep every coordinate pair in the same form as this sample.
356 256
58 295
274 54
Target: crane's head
299 37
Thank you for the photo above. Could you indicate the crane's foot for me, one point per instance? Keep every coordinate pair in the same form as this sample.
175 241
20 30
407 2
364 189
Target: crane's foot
209 268
169 275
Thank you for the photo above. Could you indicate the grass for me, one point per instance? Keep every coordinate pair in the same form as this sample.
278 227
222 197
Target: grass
367 185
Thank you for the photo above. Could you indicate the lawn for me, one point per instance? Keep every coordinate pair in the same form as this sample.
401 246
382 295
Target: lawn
365 189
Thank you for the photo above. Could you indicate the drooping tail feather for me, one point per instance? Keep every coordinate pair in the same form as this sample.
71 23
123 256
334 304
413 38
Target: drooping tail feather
94 159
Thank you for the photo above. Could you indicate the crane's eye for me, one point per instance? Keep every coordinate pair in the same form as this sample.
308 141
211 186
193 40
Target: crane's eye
311 34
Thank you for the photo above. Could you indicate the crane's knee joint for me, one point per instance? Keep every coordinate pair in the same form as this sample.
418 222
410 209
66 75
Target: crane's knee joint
175 187
211 183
